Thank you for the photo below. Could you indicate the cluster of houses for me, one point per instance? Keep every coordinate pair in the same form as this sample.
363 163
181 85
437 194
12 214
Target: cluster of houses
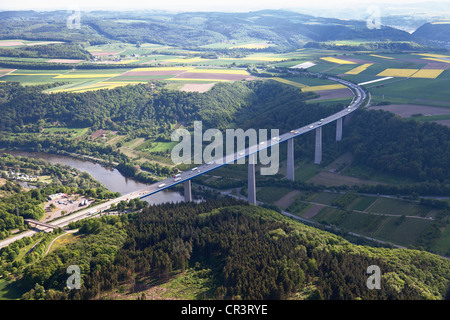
20 176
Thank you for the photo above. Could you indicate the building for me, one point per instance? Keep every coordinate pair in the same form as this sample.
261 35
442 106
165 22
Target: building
56 196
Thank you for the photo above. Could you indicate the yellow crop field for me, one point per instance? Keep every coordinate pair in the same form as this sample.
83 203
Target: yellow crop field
428 73
432 55
438 60
324 87
397 73
35 74
95 86
338 61
292 83
127 61
88 75
384 57
359 69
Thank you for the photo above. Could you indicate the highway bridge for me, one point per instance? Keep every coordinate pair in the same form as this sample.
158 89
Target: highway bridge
359 95
39 223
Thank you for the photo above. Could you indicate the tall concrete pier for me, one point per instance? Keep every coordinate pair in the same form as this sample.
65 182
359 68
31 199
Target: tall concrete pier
339 129
290 160
318 151
251 180
187 191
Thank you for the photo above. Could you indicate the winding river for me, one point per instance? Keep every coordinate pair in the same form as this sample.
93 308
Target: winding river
111 178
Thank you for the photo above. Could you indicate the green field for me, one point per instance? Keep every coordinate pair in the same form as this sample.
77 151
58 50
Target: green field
271 194
305 171
433 92
366 173
361 203
326 198
391 229
398 207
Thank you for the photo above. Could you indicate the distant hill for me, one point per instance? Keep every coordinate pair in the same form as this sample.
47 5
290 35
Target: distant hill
434 33
285 29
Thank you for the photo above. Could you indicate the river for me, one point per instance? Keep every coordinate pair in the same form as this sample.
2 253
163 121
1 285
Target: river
111 178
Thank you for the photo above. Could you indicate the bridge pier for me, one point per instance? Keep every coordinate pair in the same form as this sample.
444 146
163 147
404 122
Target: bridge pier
290 160
187 191
339 129
251 180
318 150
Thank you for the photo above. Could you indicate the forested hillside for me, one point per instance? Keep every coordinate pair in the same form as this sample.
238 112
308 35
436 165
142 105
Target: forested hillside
136 107
58 50
250 252
383 141
285 29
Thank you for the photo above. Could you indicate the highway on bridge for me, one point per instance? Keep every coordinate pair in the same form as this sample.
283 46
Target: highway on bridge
359 97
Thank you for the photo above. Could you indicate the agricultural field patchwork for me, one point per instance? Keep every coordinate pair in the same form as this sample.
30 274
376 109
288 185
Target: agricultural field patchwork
186 69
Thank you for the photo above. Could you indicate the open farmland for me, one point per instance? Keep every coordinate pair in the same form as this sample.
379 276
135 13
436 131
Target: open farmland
175 65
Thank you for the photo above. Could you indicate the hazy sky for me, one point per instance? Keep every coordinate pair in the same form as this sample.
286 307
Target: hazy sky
191 5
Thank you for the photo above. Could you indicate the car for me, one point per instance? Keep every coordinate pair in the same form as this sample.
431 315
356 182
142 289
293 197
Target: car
311 127
349 109
320 122
296 132
193 169
177 175
263 142
292 131
161 185
177 179
242 153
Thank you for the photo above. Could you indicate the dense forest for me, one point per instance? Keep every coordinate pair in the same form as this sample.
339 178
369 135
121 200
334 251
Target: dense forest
57 50
381 140
253 253
381 46
136 107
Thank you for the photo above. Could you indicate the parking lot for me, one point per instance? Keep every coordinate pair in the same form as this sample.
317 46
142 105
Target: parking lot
65 204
